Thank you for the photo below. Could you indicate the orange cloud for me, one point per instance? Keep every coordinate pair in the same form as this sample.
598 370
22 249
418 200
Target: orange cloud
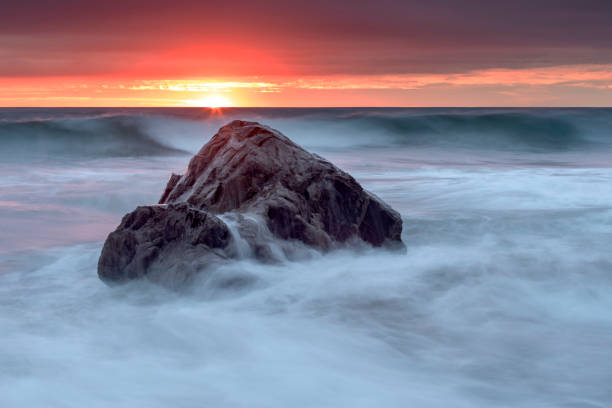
510 85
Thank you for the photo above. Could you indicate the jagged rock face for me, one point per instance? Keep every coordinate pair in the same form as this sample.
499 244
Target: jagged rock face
248 167
247 172
167 243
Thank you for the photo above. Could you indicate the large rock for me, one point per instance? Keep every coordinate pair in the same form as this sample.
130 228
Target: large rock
269 188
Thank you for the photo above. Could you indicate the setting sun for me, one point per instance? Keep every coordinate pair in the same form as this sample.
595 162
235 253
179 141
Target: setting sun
212 101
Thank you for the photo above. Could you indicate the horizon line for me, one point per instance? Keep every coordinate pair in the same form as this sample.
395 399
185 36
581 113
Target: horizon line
308 107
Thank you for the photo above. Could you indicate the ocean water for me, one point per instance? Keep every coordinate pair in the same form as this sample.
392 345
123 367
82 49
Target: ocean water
503 298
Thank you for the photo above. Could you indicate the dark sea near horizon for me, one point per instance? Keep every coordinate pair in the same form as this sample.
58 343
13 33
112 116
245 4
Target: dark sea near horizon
503 298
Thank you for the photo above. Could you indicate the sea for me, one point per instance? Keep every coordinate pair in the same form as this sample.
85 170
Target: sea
503 297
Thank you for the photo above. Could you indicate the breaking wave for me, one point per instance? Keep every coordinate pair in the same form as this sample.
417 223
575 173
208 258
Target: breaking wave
90 137
150 132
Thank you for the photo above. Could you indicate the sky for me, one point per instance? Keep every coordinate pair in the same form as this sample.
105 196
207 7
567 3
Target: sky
306 53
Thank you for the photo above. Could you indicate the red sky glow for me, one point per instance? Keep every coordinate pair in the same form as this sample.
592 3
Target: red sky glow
316 53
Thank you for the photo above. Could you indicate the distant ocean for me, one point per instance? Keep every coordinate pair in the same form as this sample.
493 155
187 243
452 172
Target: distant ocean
503 299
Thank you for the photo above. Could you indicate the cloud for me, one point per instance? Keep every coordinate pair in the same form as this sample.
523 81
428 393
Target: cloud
284 52
495 86
189 38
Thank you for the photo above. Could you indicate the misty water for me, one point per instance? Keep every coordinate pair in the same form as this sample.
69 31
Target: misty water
503 298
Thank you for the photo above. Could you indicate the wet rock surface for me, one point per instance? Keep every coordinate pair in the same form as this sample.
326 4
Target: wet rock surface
274 191
165 243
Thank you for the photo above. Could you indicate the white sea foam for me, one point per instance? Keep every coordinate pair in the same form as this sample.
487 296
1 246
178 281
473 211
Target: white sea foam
502 299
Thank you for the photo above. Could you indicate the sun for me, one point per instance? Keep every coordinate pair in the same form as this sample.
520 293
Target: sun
213 101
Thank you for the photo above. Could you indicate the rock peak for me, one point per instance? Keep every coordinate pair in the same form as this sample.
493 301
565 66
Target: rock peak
240 160
254 133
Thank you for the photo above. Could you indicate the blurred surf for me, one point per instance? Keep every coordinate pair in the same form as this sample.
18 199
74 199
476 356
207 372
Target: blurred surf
502 298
